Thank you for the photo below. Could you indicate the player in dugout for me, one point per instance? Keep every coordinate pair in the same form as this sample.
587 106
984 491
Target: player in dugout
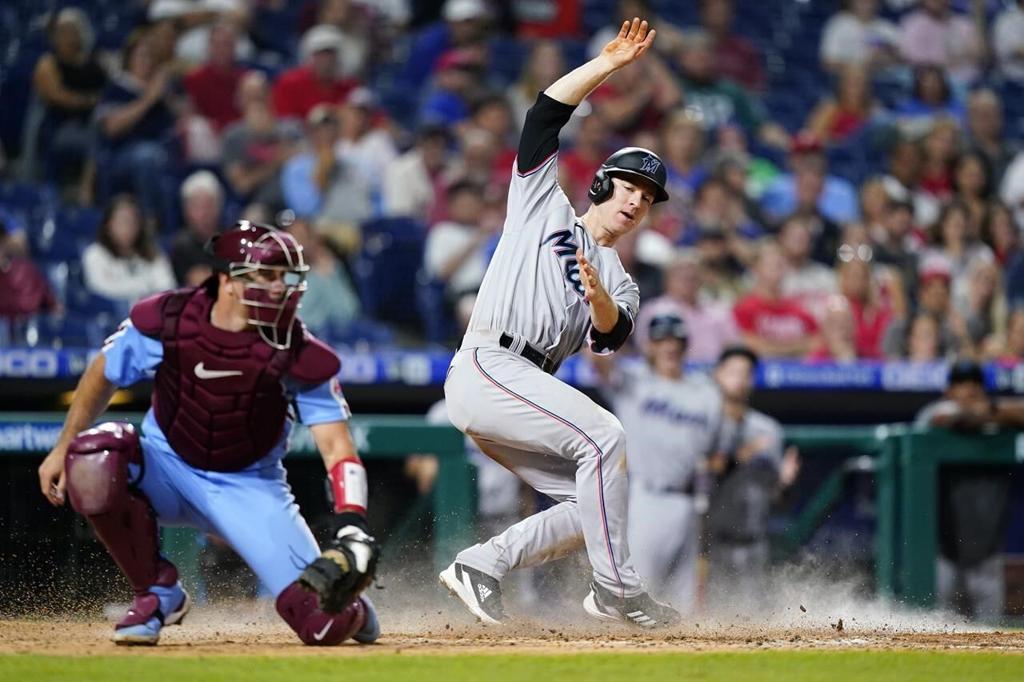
233 368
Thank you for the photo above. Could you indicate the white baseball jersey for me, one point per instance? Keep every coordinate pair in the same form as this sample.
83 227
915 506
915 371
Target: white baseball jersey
532 287
671 426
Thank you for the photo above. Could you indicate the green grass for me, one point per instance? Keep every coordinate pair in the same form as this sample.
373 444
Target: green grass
788 666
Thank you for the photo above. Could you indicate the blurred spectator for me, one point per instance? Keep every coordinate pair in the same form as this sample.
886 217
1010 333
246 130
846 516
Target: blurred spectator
578 164
721 271
256 147
719 101
491 112
26 291
458 80
319 186
1000 234
895 243
635 251
1011 190
838 333
410 181
318 80
752 468
194 21
544 64
807 281
736 58
638 97
845 113
137 117
1008 41
985 131
711 325
930 99
355 24
924 340
68 81
834 198
718 210
465 23
954 246
939 150
365 140
874 202
682 150
871 315
769 323
934 35
856 35
972 186
969 575
1009 349
202 201
920 335
212 87
330 303
902 183
982 305
478 154
125 263
455 252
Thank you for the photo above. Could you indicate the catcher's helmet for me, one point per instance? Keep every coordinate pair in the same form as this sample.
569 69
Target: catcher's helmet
629 162
249 249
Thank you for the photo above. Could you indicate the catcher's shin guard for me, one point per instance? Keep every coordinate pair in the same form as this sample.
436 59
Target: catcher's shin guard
97 480
298 607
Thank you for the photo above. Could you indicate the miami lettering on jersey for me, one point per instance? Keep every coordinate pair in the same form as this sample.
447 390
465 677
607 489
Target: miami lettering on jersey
662 408
565 248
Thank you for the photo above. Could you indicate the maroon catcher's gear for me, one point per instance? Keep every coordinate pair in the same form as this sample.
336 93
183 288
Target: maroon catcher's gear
247 250
219 396
298 608
98 485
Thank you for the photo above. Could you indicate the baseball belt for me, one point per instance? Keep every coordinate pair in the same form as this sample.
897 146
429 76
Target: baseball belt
542 361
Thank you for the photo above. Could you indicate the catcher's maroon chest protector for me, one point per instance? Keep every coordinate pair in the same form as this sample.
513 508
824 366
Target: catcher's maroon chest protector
219 396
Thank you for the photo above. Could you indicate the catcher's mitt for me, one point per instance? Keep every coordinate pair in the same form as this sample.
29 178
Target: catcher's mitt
346 568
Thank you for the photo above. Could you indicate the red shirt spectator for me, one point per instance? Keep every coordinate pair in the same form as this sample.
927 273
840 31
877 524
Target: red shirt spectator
735 57
870 323
318 80
780 320
550 19
769 323
212 86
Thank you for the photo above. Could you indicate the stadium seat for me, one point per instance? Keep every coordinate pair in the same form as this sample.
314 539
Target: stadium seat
438 322
386 266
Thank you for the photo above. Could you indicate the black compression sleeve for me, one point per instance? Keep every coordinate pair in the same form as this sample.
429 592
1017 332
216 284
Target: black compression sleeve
539 140
615 337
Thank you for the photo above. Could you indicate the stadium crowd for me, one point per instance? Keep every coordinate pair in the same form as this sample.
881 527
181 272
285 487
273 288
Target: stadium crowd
846 180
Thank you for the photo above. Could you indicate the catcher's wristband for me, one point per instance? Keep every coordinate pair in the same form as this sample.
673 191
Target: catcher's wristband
347 487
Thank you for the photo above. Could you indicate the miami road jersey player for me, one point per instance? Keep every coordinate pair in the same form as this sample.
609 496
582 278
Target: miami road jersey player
224 489
530 315
672 425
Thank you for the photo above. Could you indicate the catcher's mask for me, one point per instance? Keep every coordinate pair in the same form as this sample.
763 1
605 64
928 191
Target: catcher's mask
270 264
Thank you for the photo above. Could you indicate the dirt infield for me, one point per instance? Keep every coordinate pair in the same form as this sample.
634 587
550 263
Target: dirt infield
215 634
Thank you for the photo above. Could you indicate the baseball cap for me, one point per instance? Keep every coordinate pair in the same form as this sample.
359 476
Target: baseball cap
362 97
667 326
462 10
935 268
966 371
321 37
805 142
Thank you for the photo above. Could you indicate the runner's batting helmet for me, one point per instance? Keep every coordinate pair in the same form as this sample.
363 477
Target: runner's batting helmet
629 162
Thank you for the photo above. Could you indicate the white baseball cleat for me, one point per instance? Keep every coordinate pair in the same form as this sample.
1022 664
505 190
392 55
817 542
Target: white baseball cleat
641 610
479 592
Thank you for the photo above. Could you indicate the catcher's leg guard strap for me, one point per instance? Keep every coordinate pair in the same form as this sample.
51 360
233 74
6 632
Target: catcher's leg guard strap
298 608
97 480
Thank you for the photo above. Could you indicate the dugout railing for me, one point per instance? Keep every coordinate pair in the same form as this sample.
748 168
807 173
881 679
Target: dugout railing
904 462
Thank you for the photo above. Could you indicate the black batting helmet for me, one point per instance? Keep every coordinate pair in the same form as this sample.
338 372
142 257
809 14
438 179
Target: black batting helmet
629 162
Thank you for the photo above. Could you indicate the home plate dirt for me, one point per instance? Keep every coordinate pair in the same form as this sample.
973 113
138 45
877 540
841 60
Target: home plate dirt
215 633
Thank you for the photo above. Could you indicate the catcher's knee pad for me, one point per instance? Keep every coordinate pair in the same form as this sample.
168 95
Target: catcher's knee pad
97 467
298 607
